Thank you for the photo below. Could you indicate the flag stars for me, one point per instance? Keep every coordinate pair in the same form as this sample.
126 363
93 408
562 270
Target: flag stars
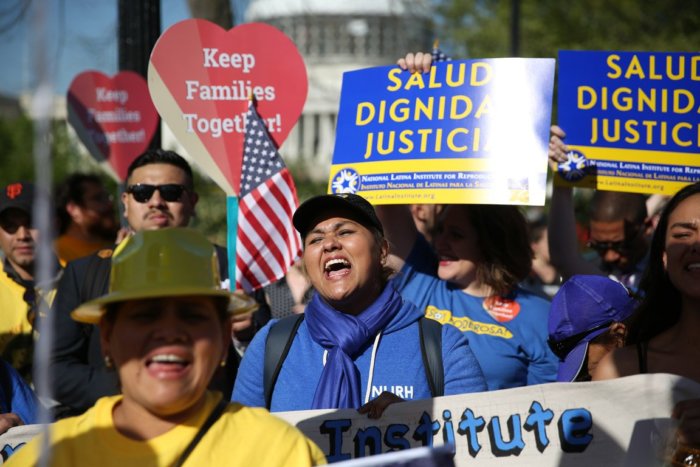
260 157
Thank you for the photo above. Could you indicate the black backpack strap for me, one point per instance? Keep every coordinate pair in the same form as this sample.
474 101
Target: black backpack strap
277 345
213 417
431 350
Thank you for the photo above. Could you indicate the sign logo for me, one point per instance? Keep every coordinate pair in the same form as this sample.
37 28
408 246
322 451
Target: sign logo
575 167
14 190
345 181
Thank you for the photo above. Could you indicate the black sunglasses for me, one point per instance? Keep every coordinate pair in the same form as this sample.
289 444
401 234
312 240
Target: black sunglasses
170 192
11 224
563 347
621 246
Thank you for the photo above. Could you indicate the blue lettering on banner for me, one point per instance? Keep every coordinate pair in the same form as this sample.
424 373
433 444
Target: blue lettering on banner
501 447
426 430
334 429
370 437
394 437
573 427
8 450
539 418
448 434
471 426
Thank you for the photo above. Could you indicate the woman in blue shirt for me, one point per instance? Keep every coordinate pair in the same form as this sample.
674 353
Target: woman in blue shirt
359 339
470 280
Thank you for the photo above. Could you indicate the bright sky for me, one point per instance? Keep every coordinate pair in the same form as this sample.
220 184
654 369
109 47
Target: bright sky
82 36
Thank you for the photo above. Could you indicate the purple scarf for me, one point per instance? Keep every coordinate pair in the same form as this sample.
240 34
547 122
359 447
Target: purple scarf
343 335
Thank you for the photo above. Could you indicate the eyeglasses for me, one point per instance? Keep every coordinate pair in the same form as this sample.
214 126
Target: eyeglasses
169 192
621 246
563 347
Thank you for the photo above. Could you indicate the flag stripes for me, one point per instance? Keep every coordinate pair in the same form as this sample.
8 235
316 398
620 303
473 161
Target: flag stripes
267 242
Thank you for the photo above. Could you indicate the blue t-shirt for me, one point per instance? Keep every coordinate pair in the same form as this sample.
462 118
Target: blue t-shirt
398 366
513 350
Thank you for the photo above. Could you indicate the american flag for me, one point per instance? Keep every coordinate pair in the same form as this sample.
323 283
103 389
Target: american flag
267 242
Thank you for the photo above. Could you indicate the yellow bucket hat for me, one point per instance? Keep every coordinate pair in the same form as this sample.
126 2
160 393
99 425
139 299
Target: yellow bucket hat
172 262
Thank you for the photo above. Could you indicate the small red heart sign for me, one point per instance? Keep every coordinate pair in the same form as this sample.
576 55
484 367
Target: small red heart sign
114 117
201 77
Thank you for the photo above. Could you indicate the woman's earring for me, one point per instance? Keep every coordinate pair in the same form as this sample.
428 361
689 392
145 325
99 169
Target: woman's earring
108 362
223 363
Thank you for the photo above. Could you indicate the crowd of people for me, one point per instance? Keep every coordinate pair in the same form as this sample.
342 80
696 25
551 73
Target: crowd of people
387 303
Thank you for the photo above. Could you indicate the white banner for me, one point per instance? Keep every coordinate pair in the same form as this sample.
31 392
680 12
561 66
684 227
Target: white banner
623 422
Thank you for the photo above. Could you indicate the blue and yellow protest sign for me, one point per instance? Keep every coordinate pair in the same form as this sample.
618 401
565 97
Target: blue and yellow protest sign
472 131
632 120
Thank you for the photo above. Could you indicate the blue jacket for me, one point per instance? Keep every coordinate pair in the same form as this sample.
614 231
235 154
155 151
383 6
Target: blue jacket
397 368
15 395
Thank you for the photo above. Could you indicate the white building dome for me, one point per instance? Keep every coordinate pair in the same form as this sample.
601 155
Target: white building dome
335 36
260 10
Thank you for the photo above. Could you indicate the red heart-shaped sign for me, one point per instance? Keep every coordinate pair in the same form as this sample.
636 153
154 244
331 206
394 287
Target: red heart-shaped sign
201 77
114 117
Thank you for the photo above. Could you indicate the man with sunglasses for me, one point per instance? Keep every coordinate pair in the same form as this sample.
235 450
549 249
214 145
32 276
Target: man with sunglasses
618 229
19 295
159 193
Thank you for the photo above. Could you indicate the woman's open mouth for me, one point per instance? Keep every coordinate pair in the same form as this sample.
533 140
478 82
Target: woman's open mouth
167 365
336 267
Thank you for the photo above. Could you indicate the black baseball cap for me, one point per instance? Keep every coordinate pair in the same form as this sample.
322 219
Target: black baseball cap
312 208
18 195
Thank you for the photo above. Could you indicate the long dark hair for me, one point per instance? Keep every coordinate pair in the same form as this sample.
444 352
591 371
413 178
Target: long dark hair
502 237
661 302
72 190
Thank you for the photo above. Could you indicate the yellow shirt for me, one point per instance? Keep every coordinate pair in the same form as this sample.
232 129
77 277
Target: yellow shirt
16 339
242 436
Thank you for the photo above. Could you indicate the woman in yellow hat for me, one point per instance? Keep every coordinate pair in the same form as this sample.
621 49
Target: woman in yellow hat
165 327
